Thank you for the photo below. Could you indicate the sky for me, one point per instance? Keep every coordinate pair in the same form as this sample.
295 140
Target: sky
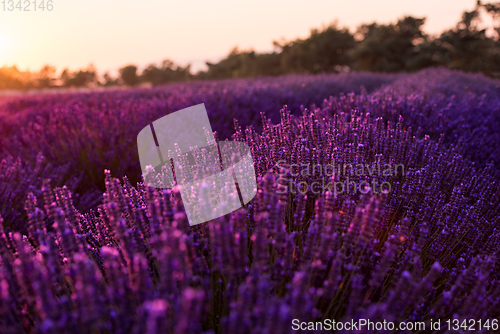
114 33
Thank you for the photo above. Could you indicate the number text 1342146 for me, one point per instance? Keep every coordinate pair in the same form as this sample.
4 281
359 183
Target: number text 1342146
27 5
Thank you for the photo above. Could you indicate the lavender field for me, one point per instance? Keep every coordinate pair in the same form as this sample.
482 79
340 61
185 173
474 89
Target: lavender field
86 247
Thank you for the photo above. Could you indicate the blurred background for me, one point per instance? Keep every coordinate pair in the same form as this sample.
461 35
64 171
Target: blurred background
111 43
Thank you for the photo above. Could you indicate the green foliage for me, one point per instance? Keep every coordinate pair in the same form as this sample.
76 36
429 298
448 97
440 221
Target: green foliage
242 64
46 77
390 48
494 10
399 47
328 50
109 80
168 72
324 51
128 75
82 78
467 48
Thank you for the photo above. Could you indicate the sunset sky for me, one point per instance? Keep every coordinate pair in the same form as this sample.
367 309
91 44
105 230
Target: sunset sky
113 33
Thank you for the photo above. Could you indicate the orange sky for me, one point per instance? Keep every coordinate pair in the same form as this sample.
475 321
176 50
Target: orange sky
112 33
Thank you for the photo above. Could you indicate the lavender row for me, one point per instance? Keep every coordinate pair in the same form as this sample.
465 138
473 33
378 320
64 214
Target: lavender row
97 130
94 131
425 250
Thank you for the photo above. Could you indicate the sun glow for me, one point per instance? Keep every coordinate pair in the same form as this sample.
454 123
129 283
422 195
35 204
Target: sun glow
3 48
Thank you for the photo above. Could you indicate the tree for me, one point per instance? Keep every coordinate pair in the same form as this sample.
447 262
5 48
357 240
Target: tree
390 48
82 78
12 78
168 72
45 78
467 47
109 80
327 50
494 10
128 75
236 65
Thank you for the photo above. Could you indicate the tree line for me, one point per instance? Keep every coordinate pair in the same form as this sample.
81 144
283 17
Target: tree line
394 47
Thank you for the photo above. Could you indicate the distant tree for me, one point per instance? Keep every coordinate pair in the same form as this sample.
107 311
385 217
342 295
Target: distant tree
328 50
12 78
109 80
128 75
82 78
152 74
237 64
494 10
45 78
467 47
390 48
395 47
168 72
269 64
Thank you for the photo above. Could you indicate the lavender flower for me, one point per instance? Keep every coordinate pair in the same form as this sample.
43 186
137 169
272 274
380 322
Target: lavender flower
426 249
